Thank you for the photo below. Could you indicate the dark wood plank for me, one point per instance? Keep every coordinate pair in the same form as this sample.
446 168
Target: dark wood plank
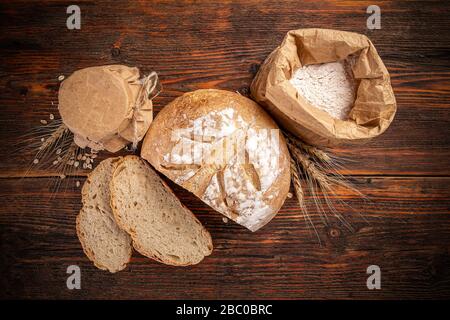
192 49
407 233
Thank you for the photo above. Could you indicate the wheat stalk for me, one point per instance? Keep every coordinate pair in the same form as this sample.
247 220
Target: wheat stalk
54 137
297 184
312 151
54 148
296 181
315 164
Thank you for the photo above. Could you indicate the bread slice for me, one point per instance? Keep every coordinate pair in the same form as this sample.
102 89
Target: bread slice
160 226
102 240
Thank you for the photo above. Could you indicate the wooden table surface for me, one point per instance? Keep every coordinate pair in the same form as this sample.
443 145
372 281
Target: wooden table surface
404 229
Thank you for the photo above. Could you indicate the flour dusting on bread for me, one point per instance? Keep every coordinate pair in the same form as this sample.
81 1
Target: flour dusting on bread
228 153
240 199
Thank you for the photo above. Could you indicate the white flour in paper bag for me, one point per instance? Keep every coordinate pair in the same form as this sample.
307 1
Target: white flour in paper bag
327 86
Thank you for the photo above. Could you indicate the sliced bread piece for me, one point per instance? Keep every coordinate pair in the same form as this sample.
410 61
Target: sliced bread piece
102 240
160 226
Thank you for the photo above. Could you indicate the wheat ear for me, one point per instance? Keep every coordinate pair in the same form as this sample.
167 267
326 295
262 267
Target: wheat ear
54 137
310 150
308 159
295 178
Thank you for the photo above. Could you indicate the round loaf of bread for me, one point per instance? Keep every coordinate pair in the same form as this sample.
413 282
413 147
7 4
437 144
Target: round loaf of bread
226 150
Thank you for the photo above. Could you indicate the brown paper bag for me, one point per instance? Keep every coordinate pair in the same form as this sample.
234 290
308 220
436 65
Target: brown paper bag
375 104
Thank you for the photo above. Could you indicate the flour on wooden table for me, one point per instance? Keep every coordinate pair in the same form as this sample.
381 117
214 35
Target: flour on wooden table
328 86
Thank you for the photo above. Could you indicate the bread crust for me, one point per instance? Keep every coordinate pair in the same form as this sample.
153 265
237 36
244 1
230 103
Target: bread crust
136 244
181 113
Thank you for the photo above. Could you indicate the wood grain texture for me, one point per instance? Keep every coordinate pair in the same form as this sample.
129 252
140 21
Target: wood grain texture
403 234
215 44
191 49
